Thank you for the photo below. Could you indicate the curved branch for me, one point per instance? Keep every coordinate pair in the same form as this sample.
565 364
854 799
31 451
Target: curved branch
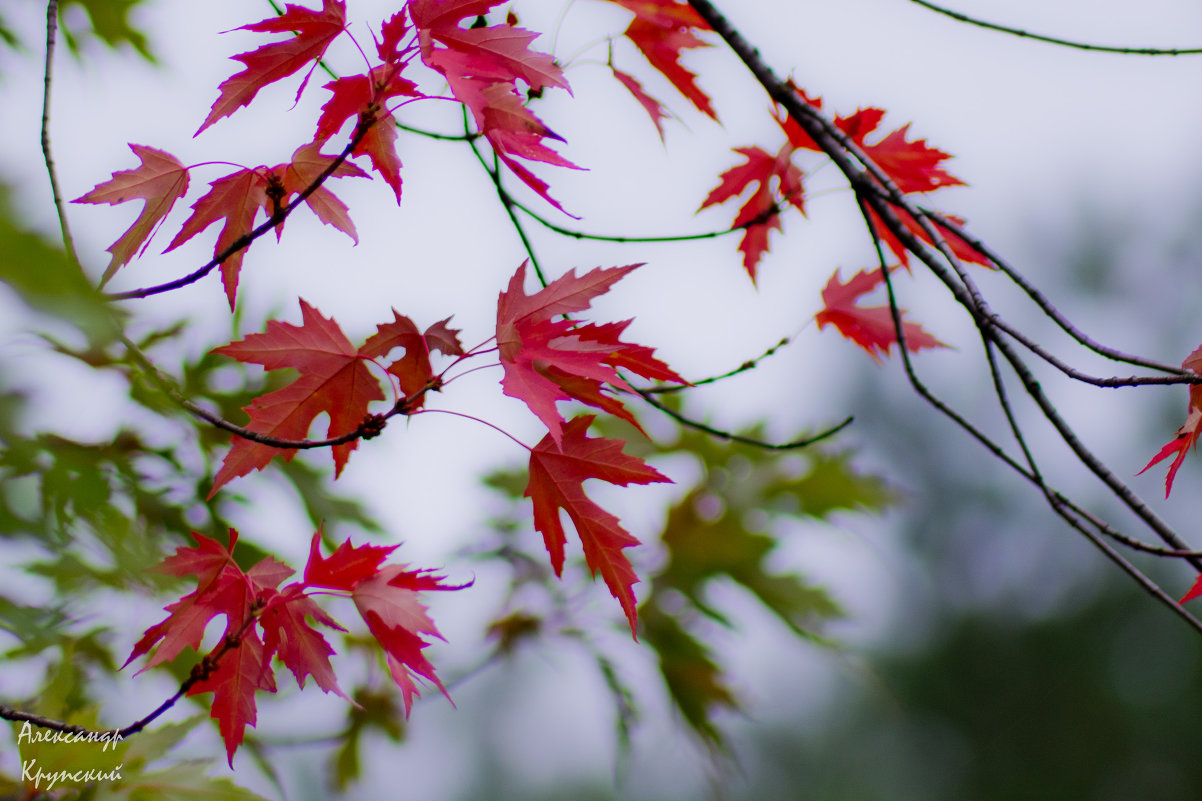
882 195
1060 504
750 364
559 229
993 26
64 228
1046 306
728 435
507 202
200 671
370 428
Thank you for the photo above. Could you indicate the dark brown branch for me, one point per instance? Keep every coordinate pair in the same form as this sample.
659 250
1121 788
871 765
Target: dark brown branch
969 296
993 26
1061 505
879 192
200 671
1050 310
371 426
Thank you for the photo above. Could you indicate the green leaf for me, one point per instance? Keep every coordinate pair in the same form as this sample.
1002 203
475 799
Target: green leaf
375 710
695 683
46 280
152 744
109 23
185 781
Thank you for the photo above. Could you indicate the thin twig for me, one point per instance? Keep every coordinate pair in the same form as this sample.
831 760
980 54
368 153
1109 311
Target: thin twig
750 364
729 435
1048 308
200 671
47 80
993 26
507 203
575 234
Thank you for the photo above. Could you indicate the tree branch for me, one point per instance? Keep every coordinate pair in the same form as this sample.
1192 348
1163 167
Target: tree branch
875 189
1128 51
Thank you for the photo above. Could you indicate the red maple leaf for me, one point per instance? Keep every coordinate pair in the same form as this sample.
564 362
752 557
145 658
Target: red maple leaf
912 165
652 106
869 327
482 67
1194 591
1185 438
765 171
239 675
547 360
413 369
217 593
389 603
558 469
272 62
391 33
236 198
297 644
499 53
308 162
222 589
661 30
793 131
361 96
160 181
432 17
346 567
334 379
495 53
386 596
665 13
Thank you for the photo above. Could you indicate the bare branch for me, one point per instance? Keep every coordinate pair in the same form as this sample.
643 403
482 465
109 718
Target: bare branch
993 26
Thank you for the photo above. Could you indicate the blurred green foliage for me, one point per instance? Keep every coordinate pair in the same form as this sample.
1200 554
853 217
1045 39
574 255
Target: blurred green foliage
724 530
82 20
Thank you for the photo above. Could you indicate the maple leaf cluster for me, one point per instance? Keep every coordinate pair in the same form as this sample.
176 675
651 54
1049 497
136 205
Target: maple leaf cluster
483 66
661 30
265 621
334 379
547 358
776 182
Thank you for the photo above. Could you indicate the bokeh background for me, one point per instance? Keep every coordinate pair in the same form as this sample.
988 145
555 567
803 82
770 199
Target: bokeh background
985 651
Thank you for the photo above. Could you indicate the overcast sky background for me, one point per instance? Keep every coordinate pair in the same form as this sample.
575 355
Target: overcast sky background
1041 134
